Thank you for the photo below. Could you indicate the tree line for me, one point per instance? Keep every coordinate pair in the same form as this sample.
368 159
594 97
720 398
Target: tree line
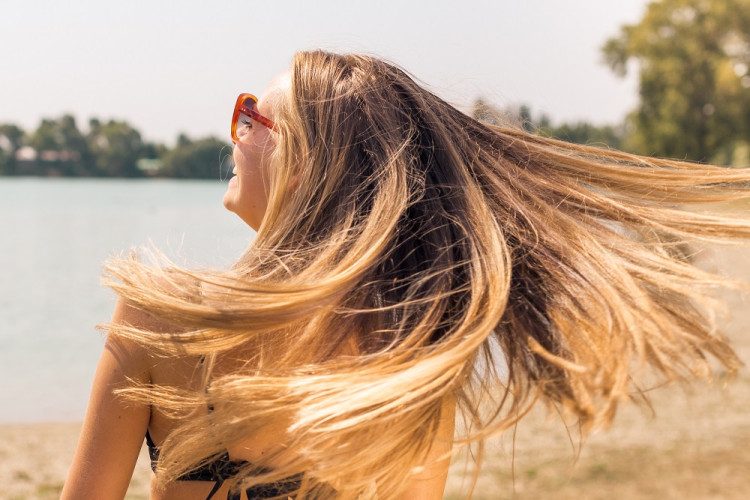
692 58
116 149
107 149
581 132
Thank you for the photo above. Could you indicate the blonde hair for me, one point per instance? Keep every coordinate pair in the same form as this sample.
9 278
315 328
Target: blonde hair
424 256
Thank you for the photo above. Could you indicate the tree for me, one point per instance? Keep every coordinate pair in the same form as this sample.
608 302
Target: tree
111 149
11 140
117 147
71 152
693 57
586 133
522 117
488 113
202 158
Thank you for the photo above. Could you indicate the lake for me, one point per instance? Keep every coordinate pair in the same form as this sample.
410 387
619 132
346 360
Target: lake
55 234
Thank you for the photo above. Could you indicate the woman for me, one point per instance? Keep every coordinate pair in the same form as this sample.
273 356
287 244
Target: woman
409 261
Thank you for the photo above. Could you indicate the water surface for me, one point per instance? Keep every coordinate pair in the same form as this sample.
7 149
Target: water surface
55 235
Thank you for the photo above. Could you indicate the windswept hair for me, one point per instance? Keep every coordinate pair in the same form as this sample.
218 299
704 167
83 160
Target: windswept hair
422 256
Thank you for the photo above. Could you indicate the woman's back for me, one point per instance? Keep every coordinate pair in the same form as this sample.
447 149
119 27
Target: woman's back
186 373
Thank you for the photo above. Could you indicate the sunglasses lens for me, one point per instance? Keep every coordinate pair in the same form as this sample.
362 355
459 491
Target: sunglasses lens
243 118
249 102
246 115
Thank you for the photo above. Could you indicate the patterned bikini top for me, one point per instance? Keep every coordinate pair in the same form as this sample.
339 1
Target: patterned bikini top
222 469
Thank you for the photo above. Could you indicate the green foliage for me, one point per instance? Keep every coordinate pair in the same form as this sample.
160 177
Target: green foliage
108 149
522 117
488 113
11 140
196 159
585 133
117 147
64 145
693 57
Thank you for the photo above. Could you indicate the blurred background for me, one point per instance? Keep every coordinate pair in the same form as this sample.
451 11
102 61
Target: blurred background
114 133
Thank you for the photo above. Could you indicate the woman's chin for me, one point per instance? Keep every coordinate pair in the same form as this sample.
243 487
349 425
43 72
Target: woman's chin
229 201
230 195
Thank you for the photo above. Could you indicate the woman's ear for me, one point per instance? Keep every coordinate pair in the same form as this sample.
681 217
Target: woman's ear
295 177
294 181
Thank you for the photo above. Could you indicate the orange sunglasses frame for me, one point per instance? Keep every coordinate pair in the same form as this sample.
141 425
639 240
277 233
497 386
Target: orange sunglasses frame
240 108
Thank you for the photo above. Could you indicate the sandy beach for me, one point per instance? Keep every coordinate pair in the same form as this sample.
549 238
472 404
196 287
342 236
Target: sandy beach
694 445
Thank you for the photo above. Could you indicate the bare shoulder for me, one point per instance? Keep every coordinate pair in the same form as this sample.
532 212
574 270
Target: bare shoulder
126 313
132 356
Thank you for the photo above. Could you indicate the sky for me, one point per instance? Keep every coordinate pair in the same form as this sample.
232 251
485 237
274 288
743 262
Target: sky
170 67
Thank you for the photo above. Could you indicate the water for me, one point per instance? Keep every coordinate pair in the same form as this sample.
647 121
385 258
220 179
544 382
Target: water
55 235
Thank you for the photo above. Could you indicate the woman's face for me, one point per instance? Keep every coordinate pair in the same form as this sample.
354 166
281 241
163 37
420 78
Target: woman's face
247 194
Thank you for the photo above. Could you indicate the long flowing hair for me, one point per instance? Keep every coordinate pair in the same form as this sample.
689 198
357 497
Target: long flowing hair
423 256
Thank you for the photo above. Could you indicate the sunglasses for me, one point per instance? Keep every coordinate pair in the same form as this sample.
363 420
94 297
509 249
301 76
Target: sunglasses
246 109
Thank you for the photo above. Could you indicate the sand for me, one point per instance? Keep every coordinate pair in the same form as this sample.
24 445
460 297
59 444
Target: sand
34 460
696 446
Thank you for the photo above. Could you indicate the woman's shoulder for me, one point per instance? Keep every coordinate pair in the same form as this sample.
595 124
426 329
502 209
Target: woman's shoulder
137 356
127 314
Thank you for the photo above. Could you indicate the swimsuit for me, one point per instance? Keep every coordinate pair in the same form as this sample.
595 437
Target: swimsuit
223 468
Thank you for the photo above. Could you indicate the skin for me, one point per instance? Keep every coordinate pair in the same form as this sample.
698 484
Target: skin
114 429
247 193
